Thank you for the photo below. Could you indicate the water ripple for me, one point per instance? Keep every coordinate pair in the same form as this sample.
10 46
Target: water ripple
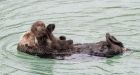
80 20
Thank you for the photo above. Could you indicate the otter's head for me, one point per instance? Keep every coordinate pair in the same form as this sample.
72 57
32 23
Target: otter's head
38 29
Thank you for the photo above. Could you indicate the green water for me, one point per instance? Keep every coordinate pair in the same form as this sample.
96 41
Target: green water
81 20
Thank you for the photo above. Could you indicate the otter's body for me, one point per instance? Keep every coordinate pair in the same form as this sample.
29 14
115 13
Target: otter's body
106 48
40 41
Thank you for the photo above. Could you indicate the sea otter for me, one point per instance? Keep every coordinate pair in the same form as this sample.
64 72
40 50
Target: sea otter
40 41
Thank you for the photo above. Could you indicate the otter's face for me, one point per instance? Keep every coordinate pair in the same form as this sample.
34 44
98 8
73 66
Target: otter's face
38 28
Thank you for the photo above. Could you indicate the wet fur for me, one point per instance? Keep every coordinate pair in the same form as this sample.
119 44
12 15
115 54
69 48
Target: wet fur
60 43
50 46
43 40
34 36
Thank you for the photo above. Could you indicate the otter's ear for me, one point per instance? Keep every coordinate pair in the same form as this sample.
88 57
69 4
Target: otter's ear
51 28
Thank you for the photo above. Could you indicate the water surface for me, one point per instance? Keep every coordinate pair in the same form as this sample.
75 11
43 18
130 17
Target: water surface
80 20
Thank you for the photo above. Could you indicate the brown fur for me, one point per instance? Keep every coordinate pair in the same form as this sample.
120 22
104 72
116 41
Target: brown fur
47 45
29 37
39 36
57 43
116 47
38 28
62 44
